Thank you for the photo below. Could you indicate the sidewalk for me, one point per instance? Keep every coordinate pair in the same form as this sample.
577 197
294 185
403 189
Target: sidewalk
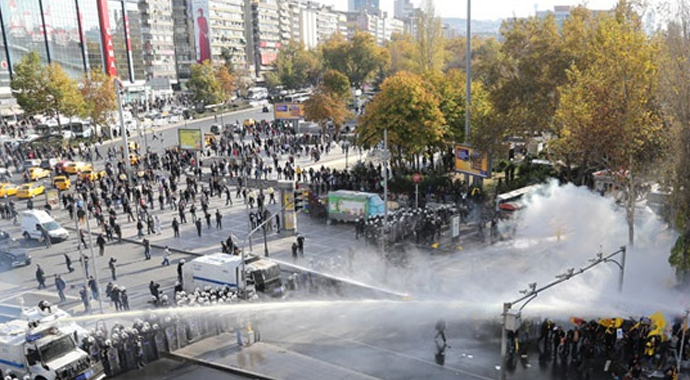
262 361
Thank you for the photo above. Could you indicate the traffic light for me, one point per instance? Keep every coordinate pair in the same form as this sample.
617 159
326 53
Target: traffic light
298 200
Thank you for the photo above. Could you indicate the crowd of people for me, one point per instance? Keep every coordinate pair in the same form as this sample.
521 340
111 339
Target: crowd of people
626 349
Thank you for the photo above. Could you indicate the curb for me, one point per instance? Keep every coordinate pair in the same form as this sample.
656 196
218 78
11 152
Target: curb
220 367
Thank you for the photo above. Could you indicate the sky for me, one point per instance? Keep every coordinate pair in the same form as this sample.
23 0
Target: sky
488 10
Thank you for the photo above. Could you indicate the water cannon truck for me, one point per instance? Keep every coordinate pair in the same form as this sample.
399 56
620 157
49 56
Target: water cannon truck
45 351
222 269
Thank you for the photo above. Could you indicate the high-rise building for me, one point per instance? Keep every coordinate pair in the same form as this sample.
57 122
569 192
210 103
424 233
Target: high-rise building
371 6
402 9
380 26
183 30
158 39
265 38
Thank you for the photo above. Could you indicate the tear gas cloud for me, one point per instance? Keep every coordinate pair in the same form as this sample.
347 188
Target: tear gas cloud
560 227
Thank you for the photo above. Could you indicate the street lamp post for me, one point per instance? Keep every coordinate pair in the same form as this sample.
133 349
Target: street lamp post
95 266
123 130
532 292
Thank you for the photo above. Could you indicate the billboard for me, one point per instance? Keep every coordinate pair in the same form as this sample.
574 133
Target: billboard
190 139
202 37
470 161
107 38
288 111
53 198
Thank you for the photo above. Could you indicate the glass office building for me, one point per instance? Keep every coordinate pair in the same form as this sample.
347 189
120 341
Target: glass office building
69 32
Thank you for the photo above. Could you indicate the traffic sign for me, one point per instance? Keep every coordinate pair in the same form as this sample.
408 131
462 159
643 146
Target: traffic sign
3 65
416 178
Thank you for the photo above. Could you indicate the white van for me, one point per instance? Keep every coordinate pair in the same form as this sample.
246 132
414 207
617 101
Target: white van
32 218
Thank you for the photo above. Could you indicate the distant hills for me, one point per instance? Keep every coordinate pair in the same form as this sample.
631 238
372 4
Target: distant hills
479 27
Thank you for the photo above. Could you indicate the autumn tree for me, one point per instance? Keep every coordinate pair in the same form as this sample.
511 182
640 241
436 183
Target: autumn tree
429 41
204 84
63 95
336 83
674 97
401 49
226 81
329 102
324 107
100 98
295 67
607 116
29 84
410 112
360 59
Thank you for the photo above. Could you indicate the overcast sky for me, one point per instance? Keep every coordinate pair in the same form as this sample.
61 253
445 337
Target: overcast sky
488 9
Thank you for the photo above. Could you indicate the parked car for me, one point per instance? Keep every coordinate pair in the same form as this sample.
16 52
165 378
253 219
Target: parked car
14 259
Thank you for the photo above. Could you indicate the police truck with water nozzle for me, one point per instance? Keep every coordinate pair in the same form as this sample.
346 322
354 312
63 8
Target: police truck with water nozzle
44 352
222 269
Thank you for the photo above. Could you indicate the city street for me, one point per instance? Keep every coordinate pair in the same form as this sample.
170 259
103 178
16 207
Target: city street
329 333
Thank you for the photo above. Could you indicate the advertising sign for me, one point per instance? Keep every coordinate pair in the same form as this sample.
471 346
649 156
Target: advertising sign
202 37
53 197
470 161
288 111
190 139
289 216
107 38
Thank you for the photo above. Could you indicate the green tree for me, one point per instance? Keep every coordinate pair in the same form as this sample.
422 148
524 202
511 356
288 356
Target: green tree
295 67
360 59
531 68
608 116
100 98
410 113
29 84
63 95
204 84
337 84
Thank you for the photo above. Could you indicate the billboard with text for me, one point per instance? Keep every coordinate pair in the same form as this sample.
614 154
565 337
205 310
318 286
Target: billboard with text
288 111
471 161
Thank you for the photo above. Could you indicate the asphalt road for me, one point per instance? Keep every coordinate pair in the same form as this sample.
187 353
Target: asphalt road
378 338
166 369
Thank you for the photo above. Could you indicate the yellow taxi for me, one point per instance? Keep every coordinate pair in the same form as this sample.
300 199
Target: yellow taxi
30 190
92 175
8 189
62 182
34 174
75 167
